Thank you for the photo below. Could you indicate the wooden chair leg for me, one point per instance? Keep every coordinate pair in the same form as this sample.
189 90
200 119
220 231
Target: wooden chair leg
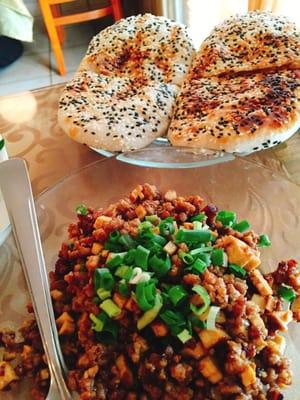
60 29
53 36
117 9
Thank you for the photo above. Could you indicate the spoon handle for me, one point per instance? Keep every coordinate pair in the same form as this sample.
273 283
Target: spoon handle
17 194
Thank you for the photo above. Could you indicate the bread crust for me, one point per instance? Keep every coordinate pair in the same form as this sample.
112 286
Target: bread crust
240 113
123 95
256 40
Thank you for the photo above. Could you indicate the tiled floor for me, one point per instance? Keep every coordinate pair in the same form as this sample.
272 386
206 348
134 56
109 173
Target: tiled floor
36 67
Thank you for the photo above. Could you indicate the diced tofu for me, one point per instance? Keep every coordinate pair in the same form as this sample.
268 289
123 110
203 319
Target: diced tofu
66 324
277 344
170 248
240 253
211 337
96 248
209 369
125 373
170 195
56 294
260 283
248 376
281 319
296 308
7 375
140 212
260 301
119 300
101 221
196 352
159 328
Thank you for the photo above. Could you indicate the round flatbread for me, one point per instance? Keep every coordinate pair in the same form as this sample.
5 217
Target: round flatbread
241 113
256 40
123 95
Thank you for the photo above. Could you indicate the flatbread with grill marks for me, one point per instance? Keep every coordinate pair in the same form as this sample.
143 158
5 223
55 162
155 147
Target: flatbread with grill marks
123 95
241 113
253 41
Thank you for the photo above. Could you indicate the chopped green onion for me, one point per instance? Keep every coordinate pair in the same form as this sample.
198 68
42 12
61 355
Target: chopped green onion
2 143
201 250
127 241
103 279
103 293
124 272
197 225
108 335
124 289
111 309
227 218
287 293
139 276
197 322
177 295
211 317
264 241
141 257
82 210
199 266
193 236
166 226
241 226
201 291
159 240
97 325
175 321
219 257
114 247
114 236
186 257
115 260
200 217
145 226
237 270
184 336
129 257
160 265
154 219
151 314
145 295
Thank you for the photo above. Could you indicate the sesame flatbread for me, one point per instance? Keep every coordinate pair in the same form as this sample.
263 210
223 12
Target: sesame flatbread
240 113
123 95
253 41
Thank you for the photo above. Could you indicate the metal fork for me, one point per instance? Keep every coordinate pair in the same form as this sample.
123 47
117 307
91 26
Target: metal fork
17 194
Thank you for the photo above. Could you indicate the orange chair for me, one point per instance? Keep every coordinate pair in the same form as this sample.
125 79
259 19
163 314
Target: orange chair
54 22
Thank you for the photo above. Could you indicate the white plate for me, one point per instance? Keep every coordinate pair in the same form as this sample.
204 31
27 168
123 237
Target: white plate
4 221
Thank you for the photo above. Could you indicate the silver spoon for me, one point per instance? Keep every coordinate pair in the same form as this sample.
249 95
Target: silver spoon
17 194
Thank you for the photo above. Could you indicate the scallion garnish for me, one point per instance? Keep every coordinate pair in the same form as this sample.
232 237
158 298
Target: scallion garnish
264 241
103 293
160 265
103 279
97 323
145 295
219 257
202 292
200 217
166 226
211 317
2 143
241 226
127 241
124 272
237 270
287 293
151 314
227 218
82 210
193 236
187 258
114 236
141 257
124 289
111 309
115 260
184 336
177 294
154 219
199 266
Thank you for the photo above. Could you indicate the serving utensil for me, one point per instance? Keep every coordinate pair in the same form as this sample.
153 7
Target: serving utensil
17 194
